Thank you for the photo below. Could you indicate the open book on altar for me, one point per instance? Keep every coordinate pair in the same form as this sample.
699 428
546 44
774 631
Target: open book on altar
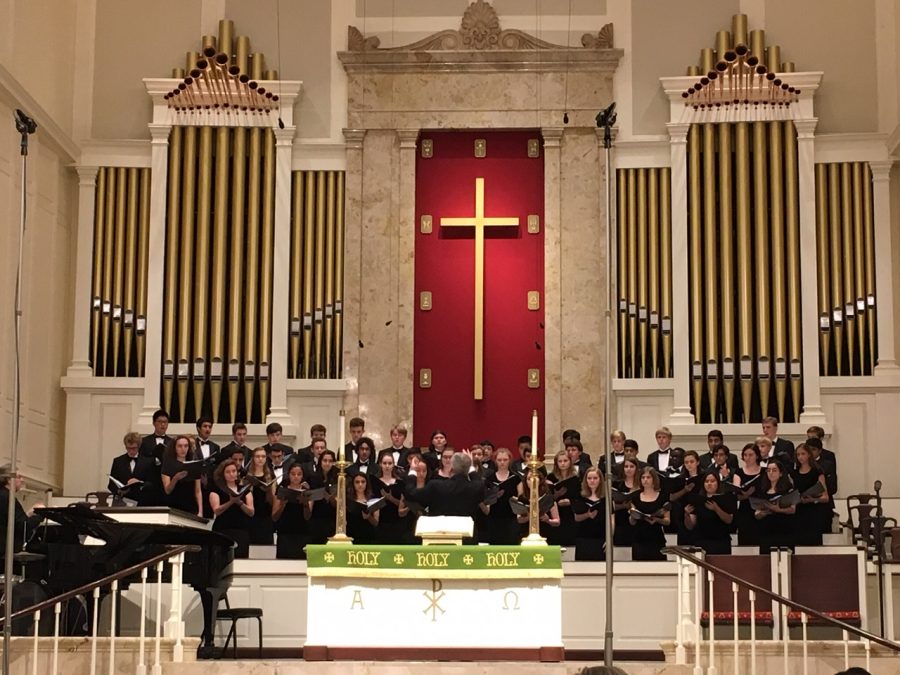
440 526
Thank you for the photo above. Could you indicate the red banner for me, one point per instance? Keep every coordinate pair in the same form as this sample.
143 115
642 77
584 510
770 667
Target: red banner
447 183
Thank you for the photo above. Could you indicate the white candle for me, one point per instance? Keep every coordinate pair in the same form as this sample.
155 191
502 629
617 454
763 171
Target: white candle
534 434
340 450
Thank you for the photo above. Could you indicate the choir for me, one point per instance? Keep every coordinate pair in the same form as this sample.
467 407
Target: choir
771 495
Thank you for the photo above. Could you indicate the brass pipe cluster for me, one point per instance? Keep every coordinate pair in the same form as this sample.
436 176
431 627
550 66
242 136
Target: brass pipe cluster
845 242
644 272
119 274
218 279
743 215
317 274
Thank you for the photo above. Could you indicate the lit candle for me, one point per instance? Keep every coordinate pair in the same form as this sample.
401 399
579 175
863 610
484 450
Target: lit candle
340 450
534 434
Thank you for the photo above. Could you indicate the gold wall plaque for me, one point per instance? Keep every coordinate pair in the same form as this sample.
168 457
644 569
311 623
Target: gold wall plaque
534 300
480 148
427 148
534 147
425 224
425 301
534 223
534 378
425 378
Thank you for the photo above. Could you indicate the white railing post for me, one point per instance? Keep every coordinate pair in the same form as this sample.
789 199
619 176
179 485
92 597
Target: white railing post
785 638
686 626
94 631
178 653
752 632
679 627
868 645
711 669
57 608
698 609
141 666
888 611
113 592
734 592
157 667
804 620
846 649
37 632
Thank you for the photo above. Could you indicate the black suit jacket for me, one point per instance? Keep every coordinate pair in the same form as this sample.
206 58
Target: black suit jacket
150 448
144 469
652 460
230 449
828 464
784 450
213 447
286 449
707 460
617 466
356 467
457 496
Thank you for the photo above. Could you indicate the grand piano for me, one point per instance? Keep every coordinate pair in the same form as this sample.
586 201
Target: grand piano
126 537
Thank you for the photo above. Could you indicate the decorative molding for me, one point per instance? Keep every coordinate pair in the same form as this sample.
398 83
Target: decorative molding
479 30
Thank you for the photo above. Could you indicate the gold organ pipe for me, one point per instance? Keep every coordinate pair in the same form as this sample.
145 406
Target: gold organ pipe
339 276
242 53
652 369
143 255
859 285
186 263
776 234
745 269
834 236
296 299
726 269
266 270
320 274
621 269
695 215
206 41
723 43
220 268
763 299
200 320
847 277
641 358
739 29
707 60
792 236
251 248
711 300
172 245
97 270
823 268
308 269
257 66
108 259
869 222
238 187
632 273
226 37
758 44
119 266
329 272
131 233
773 58
665 245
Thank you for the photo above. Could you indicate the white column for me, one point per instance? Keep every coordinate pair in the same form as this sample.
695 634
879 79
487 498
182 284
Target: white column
812 412
681 403
159 172
406 271
81 334
884 267
281 273
552 226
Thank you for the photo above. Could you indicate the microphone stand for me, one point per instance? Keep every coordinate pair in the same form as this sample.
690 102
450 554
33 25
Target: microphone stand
25 126
606 118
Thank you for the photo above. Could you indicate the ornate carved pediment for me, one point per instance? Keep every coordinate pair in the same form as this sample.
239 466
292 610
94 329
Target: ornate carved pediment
479 30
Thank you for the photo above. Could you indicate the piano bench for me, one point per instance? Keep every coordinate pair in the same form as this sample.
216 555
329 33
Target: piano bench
235 614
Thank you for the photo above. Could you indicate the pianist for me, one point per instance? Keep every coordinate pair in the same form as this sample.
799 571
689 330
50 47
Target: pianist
25 521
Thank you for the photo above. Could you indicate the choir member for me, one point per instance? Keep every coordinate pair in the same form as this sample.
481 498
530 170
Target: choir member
365 457
232 507
476 452
487 456
783 449
502 527
549 520
322 523
362 523
776 522
581 462
764 444
811 511
590 516
238 443
631 450
623 535
317 432
564 485
693 485
660 459
432 454
393 524
459 495
445 470
357 427
648 515
261 476
826 461
709 516
279 464
747 524
720 464
292 517
136 472
617 454
399 432
274 433
24 522
713 439
155 444
181 492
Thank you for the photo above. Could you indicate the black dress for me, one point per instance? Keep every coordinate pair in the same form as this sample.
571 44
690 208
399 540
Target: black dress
233 522
392 527
711 533
293 532
324 513
262 529
502 527
624 532
565 534
591 533
648 537
182 496
776 530
748 527
358 526
686 537
808 519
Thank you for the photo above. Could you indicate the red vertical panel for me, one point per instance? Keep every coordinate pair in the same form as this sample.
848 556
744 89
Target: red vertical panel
445 266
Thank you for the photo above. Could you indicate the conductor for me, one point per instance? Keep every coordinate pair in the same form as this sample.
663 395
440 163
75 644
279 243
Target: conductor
458 496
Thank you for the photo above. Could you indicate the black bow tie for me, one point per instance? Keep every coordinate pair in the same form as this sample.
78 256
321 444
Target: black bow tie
664 452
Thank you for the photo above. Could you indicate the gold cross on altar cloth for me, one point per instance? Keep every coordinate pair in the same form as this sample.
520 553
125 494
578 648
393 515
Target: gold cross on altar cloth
479 222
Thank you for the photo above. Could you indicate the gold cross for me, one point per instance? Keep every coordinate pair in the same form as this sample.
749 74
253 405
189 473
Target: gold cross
479 222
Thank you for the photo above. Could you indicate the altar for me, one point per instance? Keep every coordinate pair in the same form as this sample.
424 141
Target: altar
436 602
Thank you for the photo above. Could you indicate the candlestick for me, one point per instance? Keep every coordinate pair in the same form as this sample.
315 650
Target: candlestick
340 450
534 537
534 433
340 517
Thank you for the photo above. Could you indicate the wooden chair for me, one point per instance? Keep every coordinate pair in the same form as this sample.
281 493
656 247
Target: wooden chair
829 581
235 614
757 569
